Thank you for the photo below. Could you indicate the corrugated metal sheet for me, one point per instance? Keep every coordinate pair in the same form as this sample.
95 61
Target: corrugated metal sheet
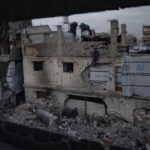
72 103
95 108
91 107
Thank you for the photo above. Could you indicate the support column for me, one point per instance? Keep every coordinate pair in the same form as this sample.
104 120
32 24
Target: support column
60 40
123 34
113 47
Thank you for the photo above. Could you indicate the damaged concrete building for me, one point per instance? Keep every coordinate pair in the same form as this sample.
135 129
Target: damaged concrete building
81 87
87 75
146 35
11 64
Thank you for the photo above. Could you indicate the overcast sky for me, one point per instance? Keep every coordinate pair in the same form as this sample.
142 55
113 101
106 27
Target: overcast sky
133 17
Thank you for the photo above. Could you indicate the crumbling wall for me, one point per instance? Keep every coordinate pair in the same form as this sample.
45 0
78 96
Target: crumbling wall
78 49
43 44
34 78
126 108
50 44
142 116
82 78
49 49
41 50
53 73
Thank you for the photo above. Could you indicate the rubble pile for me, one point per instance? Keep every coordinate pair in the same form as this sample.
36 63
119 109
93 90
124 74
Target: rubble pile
110 129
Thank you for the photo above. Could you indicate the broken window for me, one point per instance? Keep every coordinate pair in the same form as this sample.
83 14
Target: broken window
40 94
68 67
38 65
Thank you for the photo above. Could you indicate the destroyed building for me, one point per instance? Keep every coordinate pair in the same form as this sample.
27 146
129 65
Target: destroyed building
85 75
146 35
97 75
11 63
86 86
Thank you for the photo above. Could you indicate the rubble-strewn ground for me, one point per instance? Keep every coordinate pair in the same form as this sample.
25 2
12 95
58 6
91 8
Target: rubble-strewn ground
110 129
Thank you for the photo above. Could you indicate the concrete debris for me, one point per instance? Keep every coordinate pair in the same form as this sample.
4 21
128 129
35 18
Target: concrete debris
47 118
148 146
109 130
70 113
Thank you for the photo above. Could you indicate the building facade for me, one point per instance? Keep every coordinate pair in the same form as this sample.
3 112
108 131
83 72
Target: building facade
77 74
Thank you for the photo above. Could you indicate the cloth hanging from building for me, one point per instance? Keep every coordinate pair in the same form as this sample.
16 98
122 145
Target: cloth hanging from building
136 76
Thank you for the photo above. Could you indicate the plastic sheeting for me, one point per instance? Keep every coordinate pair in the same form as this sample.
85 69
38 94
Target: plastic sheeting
136 76
15 77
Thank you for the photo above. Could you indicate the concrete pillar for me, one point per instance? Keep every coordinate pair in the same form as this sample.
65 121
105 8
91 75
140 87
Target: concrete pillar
123 34
93 32
113 48
65 20
65 24
60 40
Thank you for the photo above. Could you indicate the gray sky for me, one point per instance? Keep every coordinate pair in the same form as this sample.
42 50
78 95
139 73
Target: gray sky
133 17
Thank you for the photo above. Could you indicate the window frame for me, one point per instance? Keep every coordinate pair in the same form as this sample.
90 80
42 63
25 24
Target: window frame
68 67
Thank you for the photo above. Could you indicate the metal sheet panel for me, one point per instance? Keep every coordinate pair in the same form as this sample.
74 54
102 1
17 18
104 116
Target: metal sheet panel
92 107
95 108
72 103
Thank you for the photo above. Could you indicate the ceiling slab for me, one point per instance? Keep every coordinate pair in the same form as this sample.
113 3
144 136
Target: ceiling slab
14 10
